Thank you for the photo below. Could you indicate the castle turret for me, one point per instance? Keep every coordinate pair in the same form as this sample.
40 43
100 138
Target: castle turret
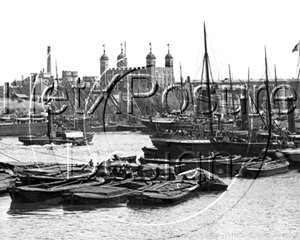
169 59
103 66
121 60
150 59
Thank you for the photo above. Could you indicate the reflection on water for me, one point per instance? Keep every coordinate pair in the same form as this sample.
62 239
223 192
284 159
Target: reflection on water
33 208
92 207
265 208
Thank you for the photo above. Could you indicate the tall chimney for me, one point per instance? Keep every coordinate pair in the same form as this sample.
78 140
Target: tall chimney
291 115
49 60
6 98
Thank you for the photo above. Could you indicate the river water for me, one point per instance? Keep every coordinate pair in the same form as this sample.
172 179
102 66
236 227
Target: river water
265 208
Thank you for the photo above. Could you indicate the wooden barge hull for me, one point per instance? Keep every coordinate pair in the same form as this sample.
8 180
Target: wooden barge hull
226 167
165 193
98 195
176 148
17 129
45 193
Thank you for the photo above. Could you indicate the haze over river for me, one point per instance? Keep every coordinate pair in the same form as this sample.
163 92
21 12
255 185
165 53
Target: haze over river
265 208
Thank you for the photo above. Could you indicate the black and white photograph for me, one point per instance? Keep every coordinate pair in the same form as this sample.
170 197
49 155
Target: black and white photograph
149 120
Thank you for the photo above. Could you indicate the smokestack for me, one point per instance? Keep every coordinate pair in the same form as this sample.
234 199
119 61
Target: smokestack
6 98
291 115
244 109
49 60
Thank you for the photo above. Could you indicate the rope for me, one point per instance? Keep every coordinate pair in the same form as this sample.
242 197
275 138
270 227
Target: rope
59 156
10 157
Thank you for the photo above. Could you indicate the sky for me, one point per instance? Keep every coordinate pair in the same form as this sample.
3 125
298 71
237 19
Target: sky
237 31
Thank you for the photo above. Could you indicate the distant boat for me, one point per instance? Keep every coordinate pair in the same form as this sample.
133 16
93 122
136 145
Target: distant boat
176 146
222 165
161 124
60 136
106 128
5 119
73 137
21 126
130 127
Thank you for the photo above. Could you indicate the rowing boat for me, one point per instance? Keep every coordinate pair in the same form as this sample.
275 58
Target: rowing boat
169 192
264 168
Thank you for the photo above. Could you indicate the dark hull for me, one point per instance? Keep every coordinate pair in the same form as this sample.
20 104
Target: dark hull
43 140
293 156
212 187
155 196
17 129
98 195
111 193
109 128
271 169
156 199
40 173
29 179
163 125
177 148
45 194
228 167
130 127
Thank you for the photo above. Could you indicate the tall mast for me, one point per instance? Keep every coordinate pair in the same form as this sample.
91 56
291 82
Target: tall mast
208 83
249 91
276 84
275 76
181 80
232 98
298 68
249 80
268 115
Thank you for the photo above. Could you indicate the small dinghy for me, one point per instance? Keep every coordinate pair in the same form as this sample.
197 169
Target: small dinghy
169 192
264 168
